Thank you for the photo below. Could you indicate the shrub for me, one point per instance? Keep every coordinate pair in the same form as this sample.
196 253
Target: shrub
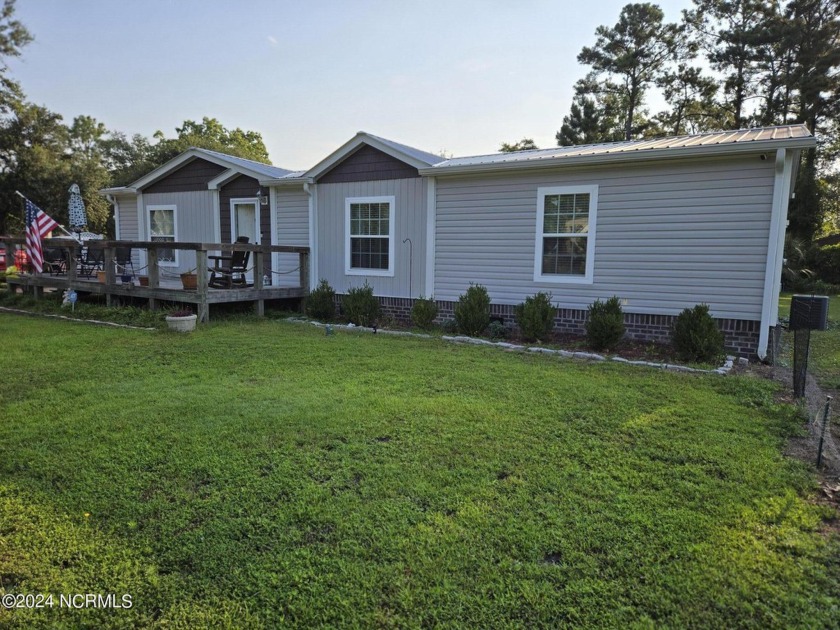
535 316
472 312
449 326
360 306
423 312
321 304
828 264
604 324
696 335
496 330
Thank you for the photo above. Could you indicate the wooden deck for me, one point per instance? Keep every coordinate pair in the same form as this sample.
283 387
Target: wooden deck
161 290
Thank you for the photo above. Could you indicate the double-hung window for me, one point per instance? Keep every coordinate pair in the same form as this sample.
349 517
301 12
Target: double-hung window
162 229
369 236
565 243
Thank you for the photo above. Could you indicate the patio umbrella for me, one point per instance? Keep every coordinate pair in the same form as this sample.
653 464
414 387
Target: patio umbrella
78 215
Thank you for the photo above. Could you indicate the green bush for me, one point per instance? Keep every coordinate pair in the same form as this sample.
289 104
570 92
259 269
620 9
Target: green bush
472 312
423 312
360 306
535 316
828 264
605 324
697 336
496 330
321 304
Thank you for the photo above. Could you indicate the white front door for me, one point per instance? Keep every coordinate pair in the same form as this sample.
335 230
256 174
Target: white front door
245 221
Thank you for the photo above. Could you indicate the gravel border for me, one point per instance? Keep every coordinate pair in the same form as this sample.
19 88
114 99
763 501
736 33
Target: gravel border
504 345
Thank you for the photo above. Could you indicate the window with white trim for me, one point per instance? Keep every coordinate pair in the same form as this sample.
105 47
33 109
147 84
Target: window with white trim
565 243
162 222
369 236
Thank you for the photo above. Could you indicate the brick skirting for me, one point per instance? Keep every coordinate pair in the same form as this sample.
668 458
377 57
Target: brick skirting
741 336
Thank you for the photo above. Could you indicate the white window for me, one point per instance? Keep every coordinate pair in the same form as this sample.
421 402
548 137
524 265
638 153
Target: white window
162 228
369 236
565 245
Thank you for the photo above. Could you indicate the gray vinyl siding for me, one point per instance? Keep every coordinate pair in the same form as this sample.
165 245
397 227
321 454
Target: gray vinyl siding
292 230
669 235
410 222
129 230
194 220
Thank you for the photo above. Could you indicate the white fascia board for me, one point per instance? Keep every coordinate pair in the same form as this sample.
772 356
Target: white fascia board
354 143
224 178
757 146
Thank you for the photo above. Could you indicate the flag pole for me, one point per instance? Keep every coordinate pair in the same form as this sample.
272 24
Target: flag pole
60 227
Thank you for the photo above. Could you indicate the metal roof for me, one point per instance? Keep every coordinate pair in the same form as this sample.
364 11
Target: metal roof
264 169
417 154
734 139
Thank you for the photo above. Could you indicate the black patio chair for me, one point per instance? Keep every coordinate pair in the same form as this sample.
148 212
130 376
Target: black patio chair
229 271
55 261
122 258
90 261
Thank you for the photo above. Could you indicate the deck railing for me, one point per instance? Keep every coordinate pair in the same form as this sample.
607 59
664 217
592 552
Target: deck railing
257 292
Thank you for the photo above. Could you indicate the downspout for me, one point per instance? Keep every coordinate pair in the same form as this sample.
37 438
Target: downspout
112 199
775 248
313 241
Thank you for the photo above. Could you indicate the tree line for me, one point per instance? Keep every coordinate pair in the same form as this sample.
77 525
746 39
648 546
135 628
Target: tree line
41 154
727 64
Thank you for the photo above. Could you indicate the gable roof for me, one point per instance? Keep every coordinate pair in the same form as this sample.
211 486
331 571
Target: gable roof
739 141
411 156
236 165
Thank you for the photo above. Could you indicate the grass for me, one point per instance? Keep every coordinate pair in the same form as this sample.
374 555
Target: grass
824 356
258 474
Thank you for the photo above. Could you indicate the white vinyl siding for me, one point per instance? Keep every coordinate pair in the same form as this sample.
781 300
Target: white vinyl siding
369 236
670 235
565 245
195 221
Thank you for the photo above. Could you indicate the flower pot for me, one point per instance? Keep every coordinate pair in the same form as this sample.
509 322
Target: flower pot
126 278
190 281
181 324
100 276
144 280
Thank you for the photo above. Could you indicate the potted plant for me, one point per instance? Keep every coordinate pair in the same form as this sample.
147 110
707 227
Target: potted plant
190 281
181 321
143 280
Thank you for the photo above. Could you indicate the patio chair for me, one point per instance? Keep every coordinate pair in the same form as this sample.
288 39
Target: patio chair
229 271
122 258
90 261
55 261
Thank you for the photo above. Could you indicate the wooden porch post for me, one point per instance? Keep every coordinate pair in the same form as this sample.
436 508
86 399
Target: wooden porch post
154 275
259 305
202 280
110 255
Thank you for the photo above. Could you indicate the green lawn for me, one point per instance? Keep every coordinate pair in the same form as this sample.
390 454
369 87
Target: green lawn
824 356
263 474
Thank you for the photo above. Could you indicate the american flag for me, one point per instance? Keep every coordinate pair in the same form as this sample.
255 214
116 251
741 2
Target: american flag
38 225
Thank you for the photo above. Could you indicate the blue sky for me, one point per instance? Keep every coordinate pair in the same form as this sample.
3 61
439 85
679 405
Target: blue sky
460 76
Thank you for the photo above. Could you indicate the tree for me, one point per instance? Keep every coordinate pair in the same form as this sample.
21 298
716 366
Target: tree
732 32
210 134
526 144
13 37
691 97
633 51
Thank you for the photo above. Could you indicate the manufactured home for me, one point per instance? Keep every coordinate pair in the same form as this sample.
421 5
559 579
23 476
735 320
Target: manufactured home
663 224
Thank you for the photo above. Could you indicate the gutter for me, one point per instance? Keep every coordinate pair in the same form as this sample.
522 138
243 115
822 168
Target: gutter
287 181
639 155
